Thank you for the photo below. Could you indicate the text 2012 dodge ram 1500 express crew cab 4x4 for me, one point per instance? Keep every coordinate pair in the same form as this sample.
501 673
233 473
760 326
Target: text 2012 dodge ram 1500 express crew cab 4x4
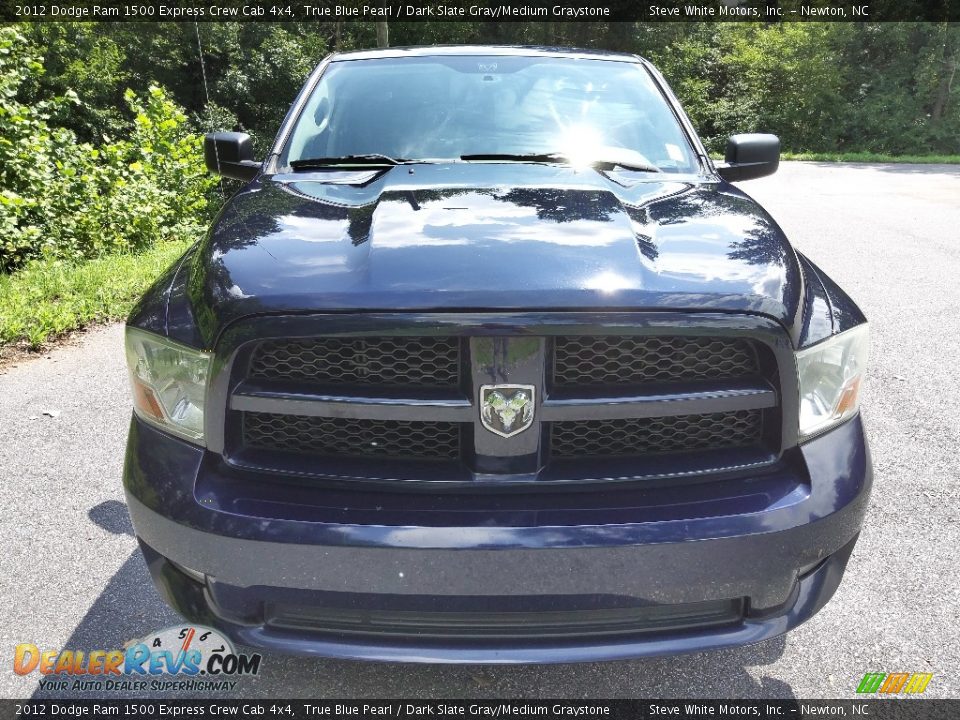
487 361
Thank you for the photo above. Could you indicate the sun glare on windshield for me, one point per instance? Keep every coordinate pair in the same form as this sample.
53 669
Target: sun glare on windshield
581 144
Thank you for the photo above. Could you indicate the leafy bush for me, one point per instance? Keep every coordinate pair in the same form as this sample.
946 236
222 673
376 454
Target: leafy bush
64 199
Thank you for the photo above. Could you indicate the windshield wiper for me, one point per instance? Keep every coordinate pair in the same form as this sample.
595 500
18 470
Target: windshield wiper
517 157
641 165
347 161
626 159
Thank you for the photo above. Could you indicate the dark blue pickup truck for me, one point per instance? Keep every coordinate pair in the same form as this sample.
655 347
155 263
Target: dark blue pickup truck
487 361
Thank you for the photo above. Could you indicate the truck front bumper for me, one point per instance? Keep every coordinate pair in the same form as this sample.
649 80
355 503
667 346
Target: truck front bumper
678 578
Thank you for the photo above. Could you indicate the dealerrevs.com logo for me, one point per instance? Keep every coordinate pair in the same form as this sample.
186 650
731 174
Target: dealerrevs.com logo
189 657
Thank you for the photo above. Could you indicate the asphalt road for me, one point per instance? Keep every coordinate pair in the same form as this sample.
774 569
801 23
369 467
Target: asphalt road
70 575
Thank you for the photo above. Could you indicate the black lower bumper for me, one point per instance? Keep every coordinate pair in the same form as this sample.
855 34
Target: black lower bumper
499 637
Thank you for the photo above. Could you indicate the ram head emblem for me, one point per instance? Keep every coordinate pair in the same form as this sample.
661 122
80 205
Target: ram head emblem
506 409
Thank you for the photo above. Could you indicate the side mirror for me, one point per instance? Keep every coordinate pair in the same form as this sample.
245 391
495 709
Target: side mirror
750 156
230 154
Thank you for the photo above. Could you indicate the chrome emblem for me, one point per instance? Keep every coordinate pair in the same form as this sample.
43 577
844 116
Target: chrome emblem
506 409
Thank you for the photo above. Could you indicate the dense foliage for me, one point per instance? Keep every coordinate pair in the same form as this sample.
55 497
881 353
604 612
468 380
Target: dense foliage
882 87
60 198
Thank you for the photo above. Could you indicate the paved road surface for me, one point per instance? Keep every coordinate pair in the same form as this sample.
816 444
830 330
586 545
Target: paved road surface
70 576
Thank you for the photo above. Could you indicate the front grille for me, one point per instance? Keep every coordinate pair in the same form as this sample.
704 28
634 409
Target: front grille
641 436
613 360
383 407
505 626
386 361
344 437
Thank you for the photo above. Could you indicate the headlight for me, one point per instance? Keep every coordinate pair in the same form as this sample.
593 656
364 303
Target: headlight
831 377
169 383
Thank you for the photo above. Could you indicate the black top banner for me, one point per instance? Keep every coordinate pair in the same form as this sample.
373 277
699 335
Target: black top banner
867 709
766 11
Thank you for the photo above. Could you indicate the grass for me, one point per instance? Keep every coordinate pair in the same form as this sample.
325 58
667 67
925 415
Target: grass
49 298
864 157
869 157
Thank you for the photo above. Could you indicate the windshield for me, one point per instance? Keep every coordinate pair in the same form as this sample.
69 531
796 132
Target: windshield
429 108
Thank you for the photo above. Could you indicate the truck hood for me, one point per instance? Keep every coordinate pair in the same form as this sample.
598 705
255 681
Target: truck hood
498 236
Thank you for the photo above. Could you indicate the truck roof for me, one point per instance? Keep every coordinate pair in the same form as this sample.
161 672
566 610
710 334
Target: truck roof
498 50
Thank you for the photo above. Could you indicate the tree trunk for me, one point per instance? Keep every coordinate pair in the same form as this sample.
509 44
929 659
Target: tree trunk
943 92
383 34
950 63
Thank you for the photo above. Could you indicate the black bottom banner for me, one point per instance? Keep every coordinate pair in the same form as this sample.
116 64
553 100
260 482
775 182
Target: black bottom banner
869 709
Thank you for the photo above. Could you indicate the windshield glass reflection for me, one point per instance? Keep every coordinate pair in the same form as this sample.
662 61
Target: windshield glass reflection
447 107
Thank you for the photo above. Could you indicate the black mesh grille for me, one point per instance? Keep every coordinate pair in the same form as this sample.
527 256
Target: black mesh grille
346 437
386 361
586 360
640 436
492 624
586 367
